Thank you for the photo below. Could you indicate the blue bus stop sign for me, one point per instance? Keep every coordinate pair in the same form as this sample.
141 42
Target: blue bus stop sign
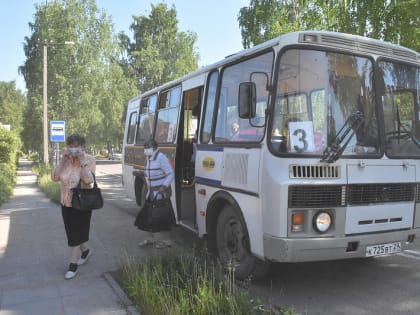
58 131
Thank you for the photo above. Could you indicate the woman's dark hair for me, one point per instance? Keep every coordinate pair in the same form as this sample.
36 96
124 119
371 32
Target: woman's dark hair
76 139
152 143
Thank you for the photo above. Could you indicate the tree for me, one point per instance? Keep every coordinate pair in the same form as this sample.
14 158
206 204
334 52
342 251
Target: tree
86 88
390 20
12 105
159 52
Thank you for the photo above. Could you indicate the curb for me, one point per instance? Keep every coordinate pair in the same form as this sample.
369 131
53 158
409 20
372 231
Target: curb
122 297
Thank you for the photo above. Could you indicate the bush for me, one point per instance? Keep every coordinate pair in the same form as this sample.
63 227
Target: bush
7 181
9 146
9 150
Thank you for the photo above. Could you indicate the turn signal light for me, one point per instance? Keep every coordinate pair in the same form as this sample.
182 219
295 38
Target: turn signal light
298 220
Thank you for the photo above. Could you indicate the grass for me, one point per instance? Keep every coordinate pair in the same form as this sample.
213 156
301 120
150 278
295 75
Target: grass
49 187
187 284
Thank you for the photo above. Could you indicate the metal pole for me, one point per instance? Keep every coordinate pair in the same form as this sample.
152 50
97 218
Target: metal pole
45 97
45 106
57 153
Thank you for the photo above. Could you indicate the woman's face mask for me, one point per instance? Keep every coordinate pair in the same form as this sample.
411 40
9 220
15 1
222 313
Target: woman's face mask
148 151
74 151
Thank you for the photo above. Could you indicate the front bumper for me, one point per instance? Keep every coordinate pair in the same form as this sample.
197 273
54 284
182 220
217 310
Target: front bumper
317 249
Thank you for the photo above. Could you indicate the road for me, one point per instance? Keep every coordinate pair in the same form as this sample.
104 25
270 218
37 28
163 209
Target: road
382 285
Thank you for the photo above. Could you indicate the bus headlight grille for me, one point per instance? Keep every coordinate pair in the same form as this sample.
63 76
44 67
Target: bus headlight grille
380 193
315 196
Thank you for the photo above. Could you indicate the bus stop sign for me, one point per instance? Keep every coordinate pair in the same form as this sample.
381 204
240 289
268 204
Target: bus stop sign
58 131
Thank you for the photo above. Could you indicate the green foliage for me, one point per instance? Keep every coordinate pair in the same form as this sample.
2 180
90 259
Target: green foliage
50 188
47 185
394 21
186 284
159 52
86 88
7 181
90 82
12 104
9 149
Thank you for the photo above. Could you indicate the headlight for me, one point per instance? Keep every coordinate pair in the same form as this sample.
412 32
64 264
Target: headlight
322 222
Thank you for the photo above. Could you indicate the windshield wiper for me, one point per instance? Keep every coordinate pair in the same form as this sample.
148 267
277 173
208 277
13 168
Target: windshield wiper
334 150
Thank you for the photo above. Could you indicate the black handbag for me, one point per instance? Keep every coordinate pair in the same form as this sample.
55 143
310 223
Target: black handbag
156 215
87 199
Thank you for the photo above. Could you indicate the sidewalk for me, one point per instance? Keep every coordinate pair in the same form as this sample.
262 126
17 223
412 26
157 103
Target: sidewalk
34 257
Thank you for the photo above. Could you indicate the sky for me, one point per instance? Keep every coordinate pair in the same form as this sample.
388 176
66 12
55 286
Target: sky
214 21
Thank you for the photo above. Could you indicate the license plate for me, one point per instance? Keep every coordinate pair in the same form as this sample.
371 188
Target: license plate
383 249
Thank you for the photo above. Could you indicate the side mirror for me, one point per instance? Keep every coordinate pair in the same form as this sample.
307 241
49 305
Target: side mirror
247 100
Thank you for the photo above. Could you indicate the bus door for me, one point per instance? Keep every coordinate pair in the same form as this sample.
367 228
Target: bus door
128 146
185 156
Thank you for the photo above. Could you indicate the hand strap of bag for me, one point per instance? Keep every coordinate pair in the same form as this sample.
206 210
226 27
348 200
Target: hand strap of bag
158 193
95 185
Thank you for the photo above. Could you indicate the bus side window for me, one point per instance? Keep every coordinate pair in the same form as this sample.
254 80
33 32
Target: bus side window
166 125
257 70
146 119
132 127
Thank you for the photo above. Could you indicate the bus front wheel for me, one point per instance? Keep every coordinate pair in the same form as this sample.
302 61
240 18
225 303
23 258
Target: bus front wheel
233 246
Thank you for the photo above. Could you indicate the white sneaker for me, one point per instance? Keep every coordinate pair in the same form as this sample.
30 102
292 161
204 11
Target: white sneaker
146 242
162 244
82 259
70 274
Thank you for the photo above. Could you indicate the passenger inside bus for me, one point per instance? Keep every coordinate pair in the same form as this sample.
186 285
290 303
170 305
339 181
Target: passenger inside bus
234 130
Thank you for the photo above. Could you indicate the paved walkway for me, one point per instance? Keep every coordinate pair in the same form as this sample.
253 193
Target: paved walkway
34 257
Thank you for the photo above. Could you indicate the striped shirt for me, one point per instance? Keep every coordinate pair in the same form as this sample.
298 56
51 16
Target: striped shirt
158 171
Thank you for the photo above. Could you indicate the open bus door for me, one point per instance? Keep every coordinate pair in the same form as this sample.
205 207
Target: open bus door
185 157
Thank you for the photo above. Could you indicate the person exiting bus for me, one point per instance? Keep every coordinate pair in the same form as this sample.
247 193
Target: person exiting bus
159 175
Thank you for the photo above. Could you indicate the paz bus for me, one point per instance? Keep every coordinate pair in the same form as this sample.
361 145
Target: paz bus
303 148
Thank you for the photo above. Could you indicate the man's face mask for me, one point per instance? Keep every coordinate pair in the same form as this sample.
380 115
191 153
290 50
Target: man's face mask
148 151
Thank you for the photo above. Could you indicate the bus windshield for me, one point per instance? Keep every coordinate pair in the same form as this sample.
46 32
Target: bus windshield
318 95
400 87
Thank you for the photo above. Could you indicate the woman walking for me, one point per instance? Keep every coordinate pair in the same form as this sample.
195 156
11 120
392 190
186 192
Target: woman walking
75 166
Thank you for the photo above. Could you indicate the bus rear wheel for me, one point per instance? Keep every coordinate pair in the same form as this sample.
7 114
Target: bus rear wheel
233 248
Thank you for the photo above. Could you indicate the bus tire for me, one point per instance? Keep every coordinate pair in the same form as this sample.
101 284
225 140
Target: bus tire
233 248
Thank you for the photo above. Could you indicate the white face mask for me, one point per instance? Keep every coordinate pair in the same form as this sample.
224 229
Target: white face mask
74 151
148 151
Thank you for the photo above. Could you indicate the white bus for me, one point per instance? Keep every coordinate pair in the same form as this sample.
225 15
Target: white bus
307 149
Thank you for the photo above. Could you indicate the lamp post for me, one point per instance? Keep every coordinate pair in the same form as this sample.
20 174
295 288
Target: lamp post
45 96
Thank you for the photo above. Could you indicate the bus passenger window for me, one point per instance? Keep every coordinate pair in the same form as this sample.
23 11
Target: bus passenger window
166 125
146 119
132 127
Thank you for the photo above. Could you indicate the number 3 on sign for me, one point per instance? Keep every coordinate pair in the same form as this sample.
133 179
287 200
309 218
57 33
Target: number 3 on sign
301 136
